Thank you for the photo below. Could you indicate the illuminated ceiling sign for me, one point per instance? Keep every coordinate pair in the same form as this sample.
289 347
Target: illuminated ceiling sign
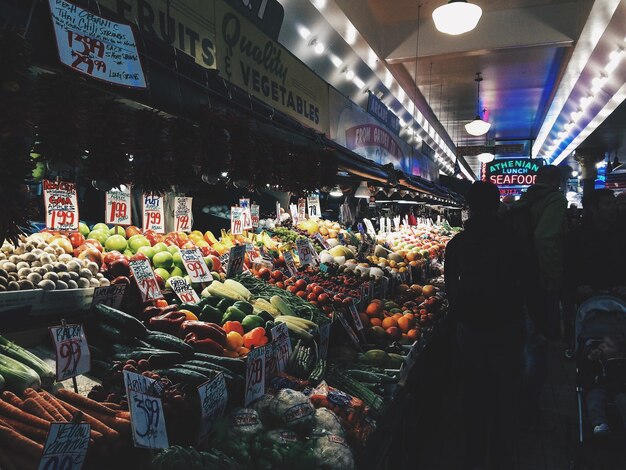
512 175
380 111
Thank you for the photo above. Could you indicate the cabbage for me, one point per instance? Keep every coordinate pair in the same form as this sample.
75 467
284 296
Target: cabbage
326 422
292 409
332 453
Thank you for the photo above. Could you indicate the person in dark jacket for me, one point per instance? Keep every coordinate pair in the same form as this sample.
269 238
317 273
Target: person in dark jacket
485 302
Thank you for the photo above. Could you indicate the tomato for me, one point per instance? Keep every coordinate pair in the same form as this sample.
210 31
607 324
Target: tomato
327 309
264 274
95 243
277 275
323 298
338 299
317 290
292 289
347 301
300 284
280 285
311 297
302 294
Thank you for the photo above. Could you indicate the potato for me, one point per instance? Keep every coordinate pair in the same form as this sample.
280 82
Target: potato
47 284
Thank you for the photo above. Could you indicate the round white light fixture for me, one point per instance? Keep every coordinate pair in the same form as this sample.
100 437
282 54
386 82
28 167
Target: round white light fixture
477 127
319 48
457 17
362 191
574 174
486 157
349 74
336 192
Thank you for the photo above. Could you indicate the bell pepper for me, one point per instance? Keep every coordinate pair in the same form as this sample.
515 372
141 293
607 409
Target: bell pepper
210 314
203 330
233 314
168 322
204 345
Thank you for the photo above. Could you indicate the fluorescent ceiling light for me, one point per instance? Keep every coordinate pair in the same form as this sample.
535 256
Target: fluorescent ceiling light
576 114
388 79
319 48
598 82
457 17
614 59
477 127
358 82
319 4
350 34
303 31
349 74
585 101
335 60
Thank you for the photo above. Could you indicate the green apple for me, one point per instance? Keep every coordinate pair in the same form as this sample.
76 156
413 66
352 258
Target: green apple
209 262
118 231
176 271
116 243
136 243
100 226
163 259
99 235
173 249
158 247
178 260
163 273
83 228
128 253
148 251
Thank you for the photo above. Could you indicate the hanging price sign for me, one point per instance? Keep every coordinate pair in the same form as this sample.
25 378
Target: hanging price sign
146 281
146 411
282 346
255 375
153 217
294 213
61 205
72 351
370 228
183 217
381 224
118 206
388 224
236 220
270 361
183 290
224 261
290 263
396 223
213 398
195 265
109 295
324 340
306 252
277 213
253 253
66 446
313 201
301 208
235 261
246 213
254 211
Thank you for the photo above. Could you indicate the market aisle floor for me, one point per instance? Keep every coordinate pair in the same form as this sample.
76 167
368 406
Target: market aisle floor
554 448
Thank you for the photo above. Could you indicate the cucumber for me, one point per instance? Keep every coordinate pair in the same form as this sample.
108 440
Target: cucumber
169 342
216 367
210 373
2 382
178 374
97 353
156 358
121 320
238 366
113 334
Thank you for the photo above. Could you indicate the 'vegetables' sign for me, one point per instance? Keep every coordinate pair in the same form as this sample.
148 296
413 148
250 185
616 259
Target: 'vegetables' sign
66 446
183 216
96 46
72 351
153 217
118 206
61 205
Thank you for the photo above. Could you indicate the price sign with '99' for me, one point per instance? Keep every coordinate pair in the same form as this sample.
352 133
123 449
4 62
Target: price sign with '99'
153 216
118 206
195 265
72 352
61 205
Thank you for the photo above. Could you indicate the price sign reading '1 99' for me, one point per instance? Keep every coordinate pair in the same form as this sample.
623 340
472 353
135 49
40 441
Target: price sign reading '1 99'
61 205
183 217
118 206
153 217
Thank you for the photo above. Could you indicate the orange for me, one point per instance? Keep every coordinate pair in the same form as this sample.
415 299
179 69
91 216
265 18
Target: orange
413 334
429 291
376 321
397 316
406 322
389 322
234 340
374 309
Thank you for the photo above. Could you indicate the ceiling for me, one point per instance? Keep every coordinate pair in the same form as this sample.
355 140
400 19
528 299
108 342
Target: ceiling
533 56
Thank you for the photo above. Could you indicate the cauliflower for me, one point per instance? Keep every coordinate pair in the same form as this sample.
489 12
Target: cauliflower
332 453
293 410
326 422
245 422
262 407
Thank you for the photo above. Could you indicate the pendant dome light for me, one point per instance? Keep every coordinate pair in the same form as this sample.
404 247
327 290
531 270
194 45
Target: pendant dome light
457 17
362 191
336 192
485 157
477 127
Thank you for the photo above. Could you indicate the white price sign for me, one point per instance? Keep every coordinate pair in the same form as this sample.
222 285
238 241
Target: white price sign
282 346
66 446
315 211
153 217
213 398
355 316
195 265
235 261
183 215
61 205
72 352
370 228
290 263
254 211
320 238
301 208
246 213
146 411
118 206
145 279
111 296
236 220
253 253
255 375
348 329
277 213
294 213
306 252
183 290
388 224
270 361
396 223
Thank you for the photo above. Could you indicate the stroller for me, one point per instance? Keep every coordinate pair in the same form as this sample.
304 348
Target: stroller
596 318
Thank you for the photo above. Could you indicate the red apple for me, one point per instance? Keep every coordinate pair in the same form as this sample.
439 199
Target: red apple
111 256
206 251
132 230
77 239
138 256
119 267
160 281
91 254
121 280
153 237
95 243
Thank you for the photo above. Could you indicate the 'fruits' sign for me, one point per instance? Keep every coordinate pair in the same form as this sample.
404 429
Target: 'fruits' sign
153 217
118 206
512 175
61 205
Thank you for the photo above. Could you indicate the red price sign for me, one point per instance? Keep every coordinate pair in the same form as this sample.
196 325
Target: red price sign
61 205
255 375
72 351
153 217
118 206
146 281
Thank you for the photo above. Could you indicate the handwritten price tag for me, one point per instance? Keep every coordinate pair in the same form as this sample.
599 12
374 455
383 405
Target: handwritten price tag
118 206
282 346
255 375
301 208
111 296
146 281
246 213
146 411
236 220
72 351
270 361
315 211
183 216
195 265
290 263
306 252
153 216
253 253
183 290
370 228
235 261
61 205
254 215
66 446
213 398
322 241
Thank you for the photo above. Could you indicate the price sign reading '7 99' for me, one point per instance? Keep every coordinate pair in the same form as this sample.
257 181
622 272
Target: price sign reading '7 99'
146 281
118 206
153 217
61 205
195 265
183 216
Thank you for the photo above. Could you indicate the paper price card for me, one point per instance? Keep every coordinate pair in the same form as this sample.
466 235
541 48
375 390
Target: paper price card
235 261
315 211
396 223
109 295
253 253
145 279
195 265
72 351
66 446
370 228
183 217
153 217
246 213
255 375
306 252
61 205
294 213
254 215
270 361
213 398
322 241
301 208
381 224
224 261
290 263
388 224
324 339
355 316
118 206
277 212
236 220
282 346
183 290
146 411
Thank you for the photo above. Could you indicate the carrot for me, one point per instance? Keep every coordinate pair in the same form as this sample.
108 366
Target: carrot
36 409
123 415
84 403
119 424
12 398
13 439
36 434
10 411
112 406
51 410
54 402
108 433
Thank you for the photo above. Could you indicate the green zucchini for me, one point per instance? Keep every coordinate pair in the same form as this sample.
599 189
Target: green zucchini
2 382
237 366
156 358
210 373
18 376
121 320
45 372
169 342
